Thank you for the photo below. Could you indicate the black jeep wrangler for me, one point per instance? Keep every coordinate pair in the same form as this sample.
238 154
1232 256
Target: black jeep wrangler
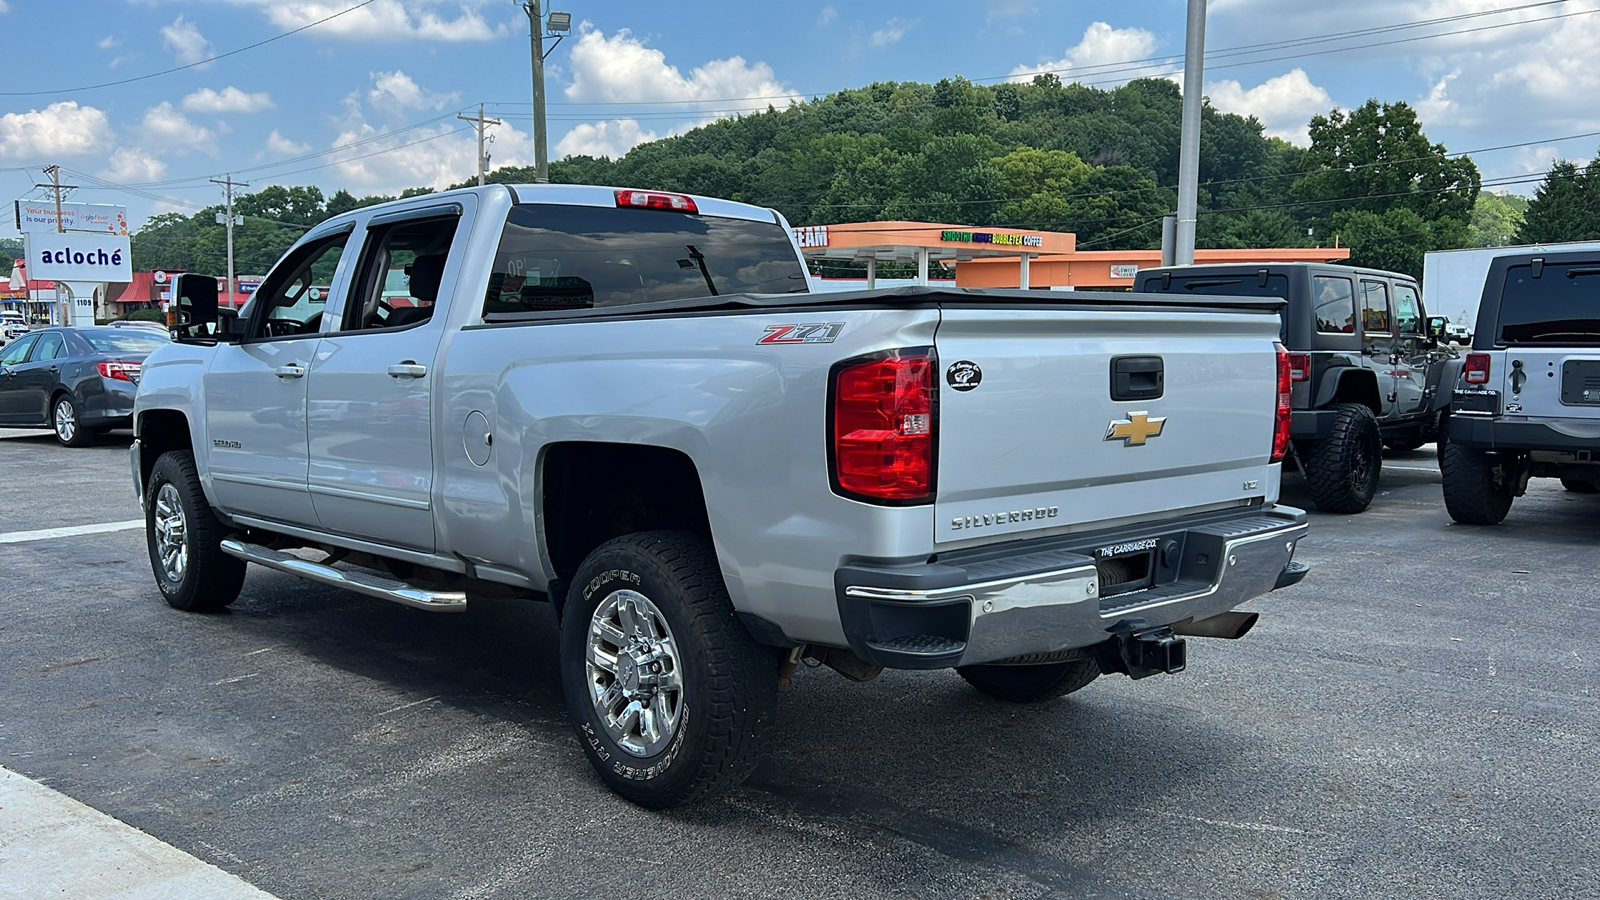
1367 372
1528 401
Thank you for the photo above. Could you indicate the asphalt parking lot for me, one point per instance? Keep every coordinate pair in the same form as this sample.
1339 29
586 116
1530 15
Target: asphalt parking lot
1418 718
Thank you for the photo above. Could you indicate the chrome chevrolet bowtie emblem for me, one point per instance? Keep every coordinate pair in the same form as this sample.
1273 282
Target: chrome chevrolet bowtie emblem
1137 428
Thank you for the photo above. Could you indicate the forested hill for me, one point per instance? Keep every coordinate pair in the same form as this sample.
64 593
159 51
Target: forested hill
1046 155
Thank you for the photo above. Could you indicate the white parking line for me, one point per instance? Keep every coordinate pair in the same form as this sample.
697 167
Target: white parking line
45 534
53 846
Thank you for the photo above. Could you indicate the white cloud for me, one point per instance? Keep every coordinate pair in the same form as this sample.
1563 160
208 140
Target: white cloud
1284 104
827 16
380 20
185 41
435 158
613 139
61 129
395 92
622 68
1102 46
107 42
4 6
164 126
229 100
132 165
891 32
278 145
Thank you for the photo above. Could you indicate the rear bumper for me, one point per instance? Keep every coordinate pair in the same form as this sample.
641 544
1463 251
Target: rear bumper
1492 433
1031 599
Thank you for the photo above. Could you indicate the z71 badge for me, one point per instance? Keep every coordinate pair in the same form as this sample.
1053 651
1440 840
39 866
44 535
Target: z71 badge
824 333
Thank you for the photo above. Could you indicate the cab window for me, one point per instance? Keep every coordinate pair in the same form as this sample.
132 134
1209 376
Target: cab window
1375 314
1407 310
296 292
1335 304
400 275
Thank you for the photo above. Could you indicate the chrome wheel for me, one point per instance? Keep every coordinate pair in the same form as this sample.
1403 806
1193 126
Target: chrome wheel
634 675
66 420
172 533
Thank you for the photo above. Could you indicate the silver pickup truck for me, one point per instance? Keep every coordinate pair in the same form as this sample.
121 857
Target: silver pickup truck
630 404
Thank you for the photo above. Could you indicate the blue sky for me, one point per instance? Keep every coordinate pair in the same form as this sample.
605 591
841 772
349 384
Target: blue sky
367 100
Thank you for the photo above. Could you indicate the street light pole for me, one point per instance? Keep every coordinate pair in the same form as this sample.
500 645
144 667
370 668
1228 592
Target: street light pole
1189 143
541 155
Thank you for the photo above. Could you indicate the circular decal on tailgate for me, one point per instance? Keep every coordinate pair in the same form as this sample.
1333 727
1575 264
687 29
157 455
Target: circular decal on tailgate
963 375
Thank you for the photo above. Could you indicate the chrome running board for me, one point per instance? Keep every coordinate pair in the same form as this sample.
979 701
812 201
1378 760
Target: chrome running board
360 582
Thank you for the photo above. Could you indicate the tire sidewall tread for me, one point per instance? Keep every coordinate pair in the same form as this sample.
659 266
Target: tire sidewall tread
1328 462
730 681
213 579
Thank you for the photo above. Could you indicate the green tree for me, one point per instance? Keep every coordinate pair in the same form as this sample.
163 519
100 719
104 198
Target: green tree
1496 219
1565 207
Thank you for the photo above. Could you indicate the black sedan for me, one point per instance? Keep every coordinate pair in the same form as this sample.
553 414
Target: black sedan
75 381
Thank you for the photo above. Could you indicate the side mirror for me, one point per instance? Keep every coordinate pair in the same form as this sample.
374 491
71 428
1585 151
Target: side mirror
193 310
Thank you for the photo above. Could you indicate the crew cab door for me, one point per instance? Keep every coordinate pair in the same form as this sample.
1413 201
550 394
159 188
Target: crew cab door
1378 341
256 389
1411 351
373 379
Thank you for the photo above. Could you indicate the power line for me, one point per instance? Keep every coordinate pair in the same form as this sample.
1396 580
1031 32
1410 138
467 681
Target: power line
209 59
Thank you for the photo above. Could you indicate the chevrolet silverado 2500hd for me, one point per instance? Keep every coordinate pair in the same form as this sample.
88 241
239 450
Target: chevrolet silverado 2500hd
628 403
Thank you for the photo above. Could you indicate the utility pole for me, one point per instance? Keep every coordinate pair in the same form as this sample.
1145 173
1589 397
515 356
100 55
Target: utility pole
479 124
1189 149
560 25
541 155
55 185
229 184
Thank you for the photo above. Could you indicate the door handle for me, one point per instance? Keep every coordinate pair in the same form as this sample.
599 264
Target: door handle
408 370
292 370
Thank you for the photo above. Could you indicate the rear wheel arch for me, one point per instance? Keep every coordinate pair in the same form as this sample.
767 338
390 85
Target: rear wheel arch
593 491
1352 384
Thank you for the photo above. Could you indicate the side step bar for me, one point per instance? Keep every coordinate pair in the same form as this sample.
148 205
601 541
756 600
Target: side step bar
360 582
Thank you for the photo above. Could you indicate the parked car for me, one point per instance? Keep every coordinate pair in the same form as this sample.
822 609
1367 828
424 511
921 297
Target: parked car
75 381
12 326
630 404
1367 370
1528 402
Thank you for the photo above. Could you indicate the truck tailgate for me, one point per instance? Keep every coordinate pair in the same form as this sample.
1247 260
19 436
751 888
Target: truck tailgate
1031 439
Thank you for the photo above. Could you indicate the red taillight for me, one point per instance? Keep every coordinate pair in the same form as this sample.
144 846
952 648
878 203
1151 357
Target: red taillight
118 369
1280 422
1299 367
1476 370
883 426
656 200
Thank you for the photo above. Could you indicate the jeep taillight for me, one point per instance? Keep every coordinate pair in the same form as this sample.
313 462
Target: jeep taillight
883 423
118 370
1299 367
1280 421
1476 370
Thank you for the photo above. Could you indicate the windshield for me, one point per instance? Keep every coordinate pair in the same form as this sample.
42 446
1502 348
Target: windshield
125 340
581 257
1562 306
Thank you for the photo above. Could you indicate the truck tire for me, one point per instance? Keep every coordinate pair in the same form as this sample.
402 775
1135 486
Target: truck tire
1342 470
1580 487
1031 684
185 539
670 696
1477 490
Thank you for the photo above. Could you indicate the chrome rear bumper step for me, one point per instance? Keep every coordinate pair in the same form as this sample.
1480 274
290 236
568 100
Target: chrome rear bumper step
360 582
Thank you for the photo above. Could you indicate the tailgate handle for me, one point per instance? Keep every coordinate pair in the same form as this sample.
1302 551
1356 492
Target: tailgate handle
1137 377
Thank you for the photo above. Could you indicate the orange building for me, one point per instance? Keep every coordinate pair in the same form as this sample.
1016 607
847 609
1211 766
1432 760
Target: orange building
1010 257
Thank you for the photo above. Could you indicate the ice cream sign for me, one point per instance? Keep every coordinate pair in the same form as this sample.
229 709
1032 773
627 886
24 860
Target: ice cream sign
999 240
